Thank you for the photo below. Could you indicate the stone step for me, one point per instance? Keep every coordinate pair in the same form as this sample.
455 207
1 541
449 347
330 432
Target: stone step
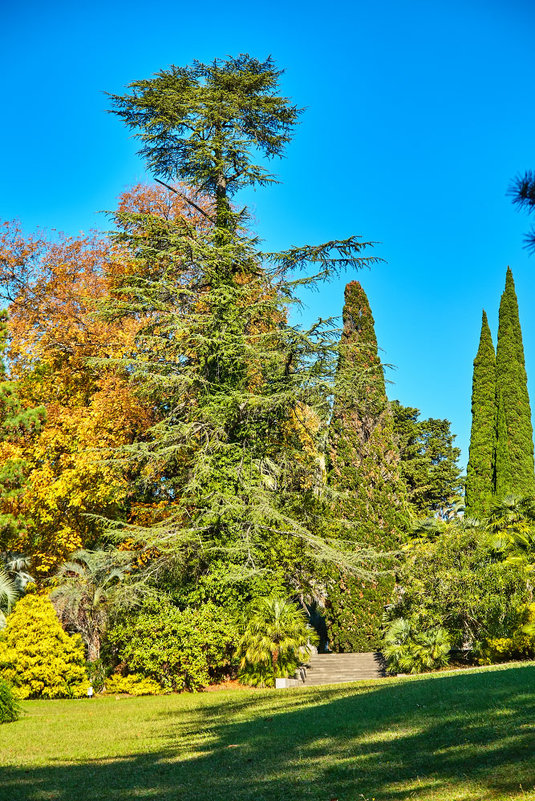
343 663
342 668
341 657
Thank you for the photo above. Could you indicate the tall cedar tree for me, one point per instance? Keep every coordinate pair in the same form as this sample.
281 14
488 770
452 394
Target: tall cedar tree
236 387
18 425
514 448
365 476
428 460
480 476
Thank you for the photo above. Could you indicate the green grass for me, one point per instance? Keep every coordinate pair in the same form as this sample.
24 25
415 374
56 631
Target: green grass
448 737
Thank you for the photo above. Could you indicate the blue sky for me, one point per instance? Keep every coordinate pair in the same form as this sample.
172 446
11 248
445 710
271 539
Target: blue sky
418 115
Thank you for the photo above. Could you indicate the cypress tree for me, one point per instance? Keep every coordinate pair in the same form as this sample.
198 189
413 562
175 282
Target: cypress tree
514 449
480 478
364 475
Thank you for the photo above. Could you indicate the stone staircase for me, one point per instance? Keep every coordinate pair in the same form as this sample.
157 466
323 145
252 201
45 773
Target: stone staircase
336 668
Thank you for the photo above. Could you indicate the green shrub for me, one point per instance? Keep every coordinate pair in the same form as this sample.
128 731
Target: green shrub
37 657
180 649
276 641
9 706
519 645
408 650
455 582
133 684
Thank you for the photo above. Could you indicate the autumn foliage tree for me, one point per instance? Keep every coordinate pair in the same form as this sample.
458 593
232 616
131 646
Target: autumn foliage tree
55 339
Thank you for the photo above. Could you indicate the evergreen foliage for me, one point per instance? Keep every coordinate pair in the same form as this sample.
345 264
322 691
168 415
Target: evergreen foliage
457 581
409 650
480 477
364 475
17 425
179 649
428 460
515 472
242 396
37 657
133 684
9 706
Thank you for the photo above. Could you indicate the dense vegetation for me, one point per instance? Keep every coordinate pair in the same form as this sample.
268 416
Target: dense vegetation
195 481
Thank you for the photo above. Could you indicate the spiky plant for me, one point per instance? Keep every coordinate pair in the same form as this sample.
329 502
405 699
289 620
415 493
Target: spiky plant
276 640
90 585
8 596
410 650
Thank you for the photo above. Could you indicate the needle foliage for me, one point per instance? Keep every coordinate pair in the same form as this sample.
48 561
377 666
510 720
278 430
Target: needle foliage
242 396
480 472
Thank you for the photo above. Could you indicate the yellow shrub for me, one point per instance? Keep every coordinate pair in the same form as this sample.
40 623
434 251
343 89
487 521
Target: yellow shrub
37 657
134 684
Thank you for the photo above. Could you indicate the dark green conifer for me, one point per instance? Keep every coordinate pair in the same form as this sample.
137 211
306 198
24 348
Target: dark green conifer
514 449
365 477
480 478
17 425
429 460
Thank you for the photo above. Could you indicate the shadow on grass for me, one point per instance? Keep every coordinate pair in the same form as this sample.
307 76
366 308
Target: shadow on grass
452 737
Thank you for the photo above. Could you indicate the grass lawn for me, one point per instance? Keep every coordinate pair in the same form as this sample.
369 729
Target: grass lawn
446 737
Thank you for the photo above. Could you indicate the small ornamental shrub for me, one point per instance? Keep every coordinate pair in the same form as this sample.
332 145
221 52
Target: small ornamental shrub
180 649
409 650
134 684
9 706
37 657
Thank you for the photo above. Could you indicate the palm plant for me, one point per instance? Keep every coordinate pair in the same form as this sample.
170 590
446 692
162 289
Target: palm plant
16 566
13 581
90 586
410 650
8 596
276 640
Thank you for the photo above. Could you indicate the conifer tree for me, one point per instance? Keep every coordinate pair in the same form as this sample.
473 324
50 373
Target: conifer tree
429 460
234 384
17 426
514 448
365 476
480 477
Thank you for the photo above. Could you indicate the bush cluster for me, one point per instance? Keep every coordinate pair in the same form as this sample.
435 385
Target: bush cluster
37 657
178 649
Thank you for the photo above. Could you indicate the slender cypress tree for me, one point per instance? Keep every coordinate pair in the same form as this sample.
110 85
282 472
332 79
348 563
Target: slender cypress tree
364 475
514 450
480 478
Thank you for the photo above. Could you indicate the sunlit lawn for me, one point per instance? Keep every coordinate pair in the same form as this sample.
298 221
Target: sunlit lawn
447 737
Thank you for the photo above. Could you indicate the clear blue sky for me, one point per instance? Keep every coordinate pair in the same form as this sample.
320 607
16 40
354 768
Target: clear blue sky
419 114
